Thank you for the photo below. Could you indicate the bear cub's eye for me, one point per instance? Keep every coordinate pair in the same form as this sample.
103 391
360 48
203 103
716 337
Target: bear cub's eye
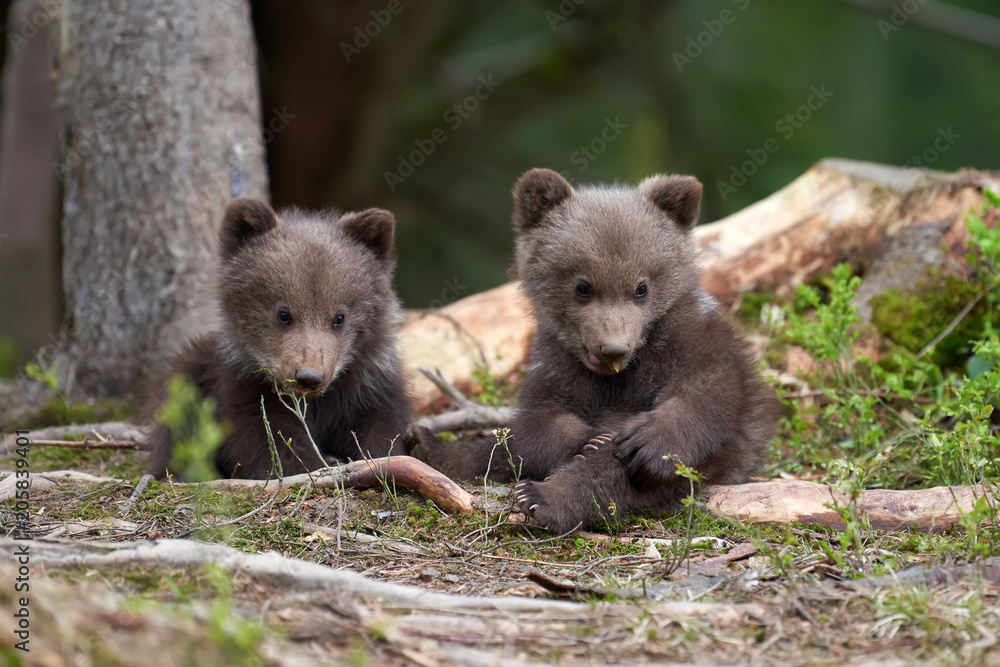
640 291
338 321
284 316
582 289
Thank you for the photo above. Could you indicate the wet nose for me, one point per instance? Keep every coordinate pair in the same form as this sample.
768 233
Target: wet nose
308 378
612 352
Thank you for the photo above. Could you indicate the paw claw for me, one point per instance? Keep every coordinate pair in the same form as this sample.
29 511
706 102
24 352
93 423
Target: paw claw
590 447
533 507
580 457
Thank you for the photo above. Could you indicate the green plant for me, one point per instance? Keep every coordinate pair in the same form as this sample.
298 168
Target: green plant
44 370
494 391
195 433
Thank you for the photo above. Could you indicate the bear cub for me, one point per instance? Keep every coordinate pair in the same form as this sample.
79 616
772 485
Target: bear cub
632 368
305 300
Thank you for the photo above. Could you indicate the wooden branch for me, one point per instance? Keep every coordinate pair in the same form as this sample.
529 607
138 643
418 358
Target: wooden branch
93 433
468 414
785 501
836 208
140 488
88 444
404 471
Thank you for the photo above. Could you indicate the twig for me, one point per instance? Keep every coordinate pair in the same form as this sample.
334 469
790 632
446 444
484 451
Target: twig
951 326
468 414
87 444
487 550
229 522
112 430
139 489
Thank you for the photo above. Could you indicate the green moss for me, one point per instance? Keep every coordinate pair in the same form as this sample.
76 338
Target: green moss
913 320
59 411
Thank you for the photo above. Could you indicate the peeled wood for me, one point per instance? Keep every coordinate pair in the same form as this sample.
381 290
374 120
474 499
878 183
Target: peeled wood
835 208
404 471
786 501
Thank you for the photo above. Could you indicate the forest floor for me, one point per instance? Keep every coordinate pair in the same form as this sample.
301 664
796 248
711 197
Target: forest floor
690 588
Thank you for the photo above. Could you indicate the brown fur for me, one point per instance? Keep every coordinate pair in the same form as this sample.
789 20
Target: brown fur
312 269
658 370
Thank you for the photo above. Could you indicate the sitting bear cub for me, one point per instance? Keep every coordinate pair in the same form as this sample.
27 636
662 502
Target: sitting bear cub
305 301
632 369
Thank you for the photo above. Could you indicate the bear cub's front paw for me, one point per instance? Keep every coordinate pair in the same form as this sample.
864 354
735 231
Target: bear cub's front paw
542 504
594 444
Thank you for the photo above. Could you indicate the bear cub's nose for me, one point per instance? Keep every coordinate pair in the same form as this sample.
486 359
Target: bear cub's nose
612 352
308 378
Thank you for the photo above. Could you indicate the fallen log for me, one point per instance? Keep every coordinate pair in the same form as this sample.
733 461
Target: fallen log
836 209
787 501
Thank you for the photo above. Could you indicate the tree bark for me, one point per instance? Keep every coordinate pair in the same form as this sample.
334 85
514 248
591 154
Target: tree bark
159 116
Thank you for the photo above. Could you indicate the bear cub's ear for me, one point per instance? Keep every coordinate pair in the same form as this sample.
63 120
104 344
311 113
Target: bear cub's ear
243 220
536 193
677 196
372 228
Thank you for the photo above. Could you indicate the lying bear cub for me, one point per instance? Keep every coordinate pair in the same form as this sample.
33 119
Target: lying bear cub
306 301
632 369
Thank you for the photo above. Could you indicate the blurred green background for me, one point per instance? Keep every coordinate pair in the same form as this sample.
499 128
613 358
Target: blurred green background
353 105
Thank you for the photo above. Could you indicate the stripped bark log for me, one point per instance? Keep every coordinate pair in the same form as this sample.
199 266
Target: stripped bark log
404 471
293 575
467 414
786 501
836 209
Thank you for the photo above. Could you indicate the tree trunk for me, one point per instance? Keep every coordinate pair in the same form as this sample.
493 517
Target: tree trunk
159 115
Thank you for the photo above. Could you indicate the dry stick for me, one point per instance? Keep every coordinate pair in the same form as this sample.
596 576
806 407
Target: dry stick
951 326
468 414
405 471
536 541
139 489
229 522
87 444
112 430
